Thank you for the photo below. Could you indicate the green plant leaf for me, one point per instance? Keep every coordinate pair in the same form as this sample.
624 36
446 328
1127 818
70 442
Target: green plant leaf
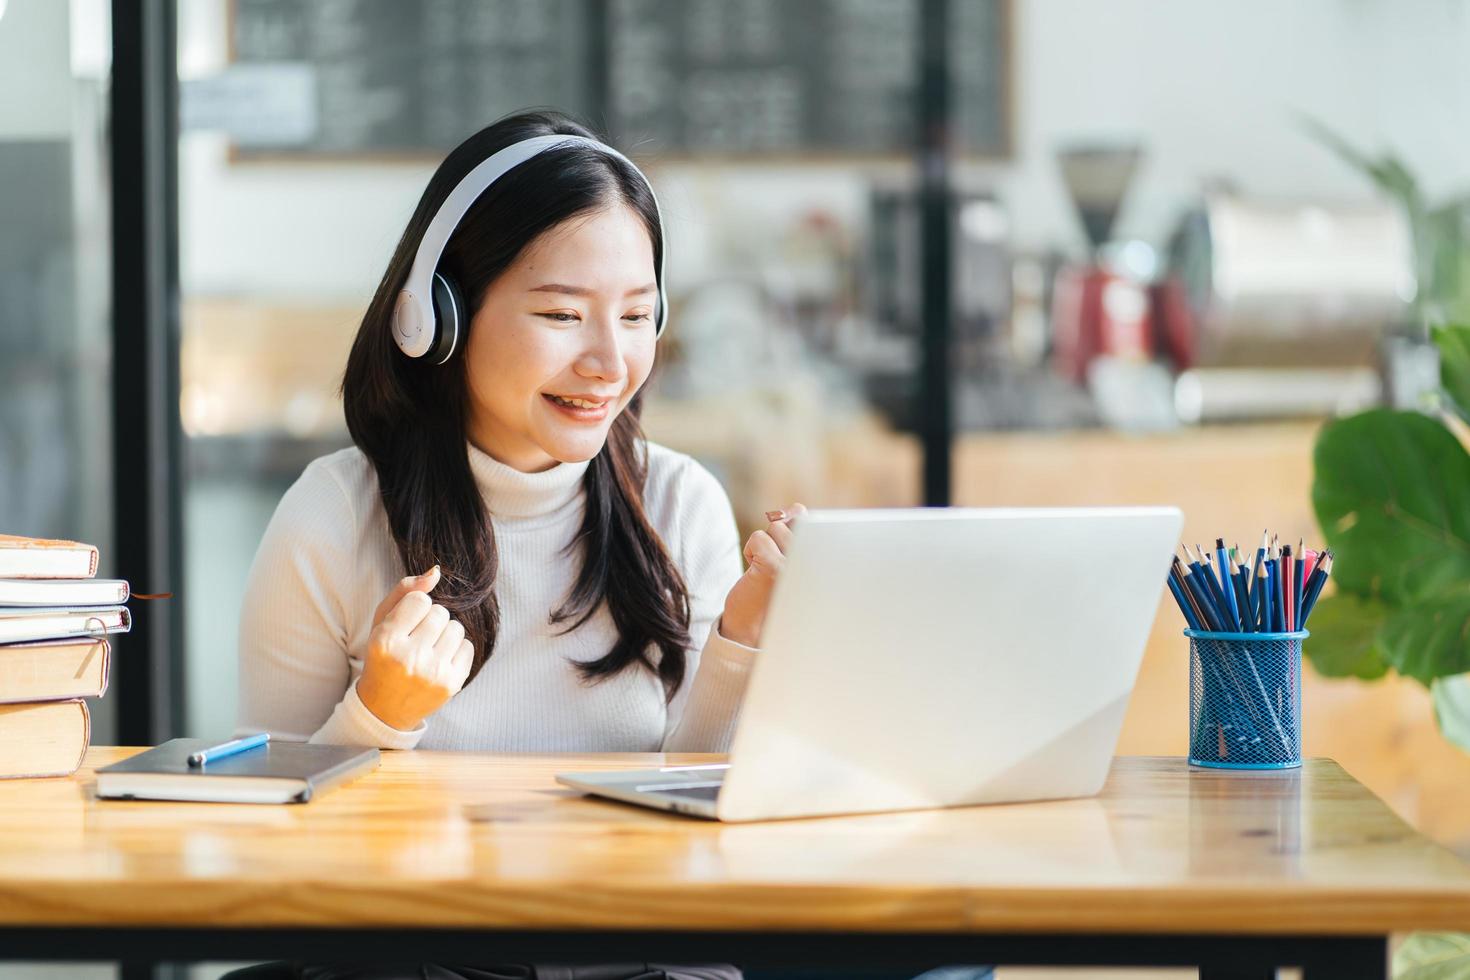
1454 365
1433 956
1392 495
1387 171
1344 641
1447 233
1428 639
1452 708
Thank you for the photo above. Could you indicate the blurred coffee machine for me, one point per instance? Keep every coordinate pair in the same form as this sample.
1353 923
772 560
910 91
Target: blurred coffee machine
1279 308
1099 308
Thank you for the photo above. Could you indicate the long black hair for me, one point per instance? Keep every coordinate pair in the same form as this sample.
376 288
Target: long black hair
409 417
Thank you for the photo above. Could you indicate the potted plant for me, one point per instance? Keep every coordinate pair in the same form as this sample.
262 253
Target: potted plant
1391 490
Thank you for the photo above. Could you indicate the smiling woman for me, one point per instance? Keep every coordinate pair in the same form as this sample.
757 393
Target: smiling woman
563 341
503 561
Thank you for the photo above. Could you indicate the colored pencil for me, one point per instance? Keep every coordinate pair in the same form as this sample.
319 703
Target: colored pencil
1184 606
1176 569
1271 601
1288 590
1237 582
1227 584
1314 588
1208 588
1299 579
1263 597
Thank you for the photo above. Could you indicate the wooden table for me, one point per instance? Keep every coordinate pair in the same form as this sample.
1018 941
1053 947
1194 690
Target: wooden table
456 856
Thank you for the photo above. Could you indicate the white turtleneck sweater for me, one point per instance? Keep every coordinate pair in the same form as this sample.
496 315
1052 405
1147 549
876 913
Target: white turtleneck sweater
328 559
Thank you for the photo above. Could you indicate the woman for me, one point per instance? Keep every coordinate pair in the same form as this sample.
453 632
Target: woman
503 562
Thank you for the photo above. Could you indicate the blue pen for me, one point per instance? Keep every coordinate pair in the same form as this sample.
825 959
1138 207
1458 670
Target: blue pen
225 749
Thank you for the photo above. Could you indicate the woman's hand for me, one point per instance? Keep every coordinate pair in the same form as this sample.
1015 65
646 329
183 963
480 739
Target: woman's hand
765 555
417 656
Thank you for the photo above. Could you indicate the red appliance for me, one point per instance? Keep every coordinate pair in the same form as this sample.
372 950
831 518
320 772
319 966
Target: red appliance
1097 310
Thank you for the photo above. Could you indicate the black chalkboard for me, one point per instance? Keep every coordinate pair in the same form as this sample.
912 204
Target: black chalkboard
783 78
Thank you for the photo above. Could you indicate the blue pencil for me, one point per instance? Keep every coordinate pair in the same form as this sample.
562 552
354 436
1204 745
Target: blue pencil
1298 580
1194 581
1263 583
1217 594
1247 621
1314 587
1176 571
1232 607
1273 588
1184 606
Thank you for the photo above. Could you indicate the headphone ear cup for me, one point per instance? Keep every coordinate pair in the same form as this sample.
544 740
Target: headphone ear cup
450 320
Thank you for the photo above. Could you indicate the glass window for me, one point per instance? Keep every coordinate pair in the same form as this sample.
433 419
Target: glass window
55 387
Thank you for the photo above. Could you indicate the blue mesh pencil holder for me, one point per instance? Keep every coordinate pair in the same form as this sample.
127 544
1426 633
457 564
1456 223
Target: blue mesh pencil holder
1245 699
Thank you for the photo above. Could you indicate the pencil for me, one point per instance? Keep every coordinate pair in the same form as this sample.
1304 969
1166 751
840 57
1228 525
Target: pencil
1184 606
1263 598
1299 578
1196 584
1227 584
1271 601
1314 588
1288 591
1237 582
1177 570
1252 602
1217 593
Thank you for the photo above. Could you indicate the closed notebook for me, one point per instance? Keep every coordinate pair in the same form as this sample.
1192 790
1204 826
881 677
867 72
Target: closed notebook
46 739
54 670
63 592
278 772
23 557
24 624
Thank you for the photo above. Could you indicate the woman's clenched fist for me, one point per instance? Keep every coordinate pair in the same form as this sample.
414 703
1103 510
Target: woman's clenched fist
417 656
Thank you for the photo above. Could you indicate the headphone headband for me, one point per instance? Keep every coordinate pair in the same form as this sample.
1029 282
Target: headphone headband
414 323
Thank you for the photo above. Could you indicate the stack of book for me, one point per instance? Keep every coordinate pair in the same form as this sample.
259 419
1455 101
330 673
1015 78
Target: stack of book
55 617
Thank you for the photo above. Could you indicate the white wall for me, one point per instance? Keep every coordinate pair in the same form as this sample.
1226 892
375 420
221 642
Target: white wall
1211 86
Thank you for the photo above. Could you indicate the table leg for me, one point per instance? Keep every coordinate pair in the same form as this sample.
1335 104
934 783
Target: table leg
1348 959
1234 972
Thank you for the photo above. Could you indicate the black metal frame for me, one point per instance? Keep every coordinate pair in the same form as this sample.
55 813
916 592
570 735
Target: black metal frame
1219 957
936 124
147 440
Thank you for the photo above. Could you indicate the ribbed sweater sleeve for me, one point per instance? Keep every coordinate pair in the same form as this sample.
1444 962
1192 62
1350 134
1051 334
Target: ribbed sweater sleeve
702 715
295 677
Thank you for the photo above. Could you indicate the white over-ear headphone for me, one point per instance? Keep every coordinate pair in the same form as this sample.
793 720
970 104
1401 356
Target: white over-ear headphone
430 315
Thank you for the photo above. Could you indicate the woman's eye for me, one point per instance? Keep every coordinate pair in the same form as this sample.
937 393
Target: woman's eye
637 317
559 317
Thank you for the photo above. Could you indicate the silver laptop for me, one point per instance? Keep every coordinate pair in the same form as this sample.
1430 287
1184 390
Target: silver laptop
933 658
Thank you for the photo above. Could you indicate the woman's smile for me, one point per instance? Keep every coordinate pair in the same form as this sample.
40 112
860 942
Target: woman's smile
579 409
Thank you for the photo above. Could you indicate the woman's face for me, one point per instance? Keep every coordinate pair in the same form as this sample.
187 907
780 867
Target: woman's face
571 318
